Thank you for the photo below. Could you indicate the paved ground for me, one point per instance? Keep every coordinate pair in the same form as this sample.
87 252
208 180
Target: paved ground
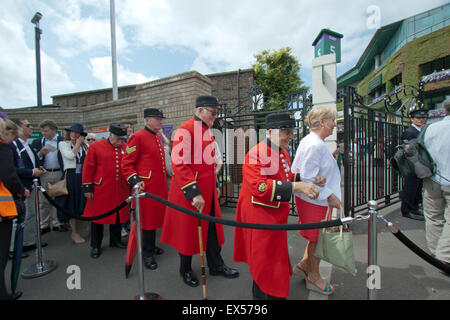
403 274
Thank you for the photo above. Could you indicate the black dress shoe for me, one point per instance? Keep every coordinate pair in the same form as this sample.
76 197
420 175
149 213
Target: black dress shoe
224 271
159 251
95 253
189 278
33 247
150 263
412 215
118 245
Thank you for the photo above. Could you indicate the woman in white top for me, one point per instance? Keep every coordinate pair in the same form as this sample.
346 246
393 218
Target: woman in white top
73 151
313 158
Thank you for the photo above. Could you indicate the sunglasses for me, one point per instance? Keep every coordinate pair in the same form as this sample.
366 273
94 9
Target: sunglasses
90 139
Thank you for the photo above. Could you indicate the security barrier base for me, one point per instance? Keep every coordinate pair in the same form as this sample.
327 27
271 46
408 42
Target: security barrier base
39 269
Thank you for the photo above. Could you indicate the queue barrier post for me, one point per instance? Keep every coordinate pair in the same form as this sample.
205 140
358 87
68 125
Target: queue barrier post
372 245
41 267
142 294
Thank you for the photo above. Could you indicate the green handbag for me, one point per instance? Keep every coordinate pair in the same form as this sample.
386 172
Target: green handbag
336 247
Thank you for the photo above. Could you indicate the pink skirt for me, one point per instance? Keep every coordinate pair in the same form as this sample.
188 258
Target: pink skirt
309 213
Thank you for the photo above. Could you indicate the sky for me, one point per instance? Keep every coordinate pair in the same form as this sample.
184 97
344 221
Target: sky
160 38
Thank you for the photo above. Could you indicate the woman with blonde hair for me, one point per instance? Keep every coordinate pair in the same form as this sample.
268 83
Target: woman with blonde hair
313 158
73 151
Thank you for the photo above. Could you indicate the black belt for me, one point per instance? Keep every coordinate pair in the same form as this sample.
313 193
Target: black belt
53 170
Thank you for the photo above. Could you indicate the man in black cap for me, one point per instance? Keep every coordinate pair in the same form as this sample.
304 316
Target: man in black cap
268 185
105 187
144 165
411 195
193 186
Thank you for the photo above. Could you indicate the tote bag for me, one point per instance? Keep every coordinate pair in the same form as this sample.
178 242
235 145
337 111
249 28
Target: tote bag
336 247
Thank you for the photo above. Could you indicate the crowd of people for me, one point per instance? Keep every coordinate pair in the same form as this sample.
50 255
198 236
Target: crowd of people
101 174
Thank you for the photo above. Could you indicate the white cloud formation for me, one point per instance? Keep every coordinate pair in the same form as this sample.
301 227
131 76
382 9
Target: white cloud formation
224 35
80 33
227 34
102 70
18 65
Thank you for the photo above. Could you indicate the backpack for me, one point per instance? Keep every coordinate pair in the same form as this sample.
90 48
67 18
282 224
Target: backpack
412 158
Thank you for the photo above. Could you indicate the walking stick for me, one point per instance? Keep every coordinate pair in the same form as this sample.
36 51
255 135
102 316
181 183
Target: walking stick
200 243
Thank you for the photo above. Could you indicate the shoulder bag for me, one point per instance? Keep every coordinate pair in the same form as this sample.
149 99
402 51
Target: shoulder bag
336 247
58 188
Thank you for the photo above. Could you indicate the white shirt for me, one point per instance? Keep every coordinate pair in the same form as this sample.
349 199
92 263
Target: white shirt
418 128
26 148
69 158
313 158
51 158
437 141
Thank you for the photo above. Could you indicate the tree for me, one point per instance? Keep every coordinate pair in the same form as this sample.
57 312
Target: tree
277 73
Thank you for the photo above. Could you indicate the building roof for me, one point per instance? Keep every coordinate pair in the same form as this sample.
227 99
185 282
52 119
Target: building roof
390 38
333 33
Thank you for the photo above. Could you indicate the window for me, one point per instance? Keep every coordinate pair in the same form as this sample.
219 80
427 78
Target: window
435 66
377 94
396 81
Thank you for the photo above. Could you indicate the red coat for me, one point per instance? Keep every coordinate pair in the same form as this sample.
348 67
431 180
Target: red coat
144 160
103 177
194 172
264 198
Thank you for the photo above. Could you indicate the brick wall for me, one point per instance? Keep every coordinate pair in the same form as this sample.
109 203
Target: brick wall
174 95
225 87
87 98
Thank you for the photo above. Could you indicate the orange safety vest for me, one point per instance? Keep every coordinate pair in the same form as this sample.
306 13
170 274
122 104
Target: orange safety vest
7 205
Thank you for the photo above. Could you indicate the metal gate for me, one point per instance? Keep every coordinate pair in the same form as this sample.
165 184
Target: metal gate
243 127
370 137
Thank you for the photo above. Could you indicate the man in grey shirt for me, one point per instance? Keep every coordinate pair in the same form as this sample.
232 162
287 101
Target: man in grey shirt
436 196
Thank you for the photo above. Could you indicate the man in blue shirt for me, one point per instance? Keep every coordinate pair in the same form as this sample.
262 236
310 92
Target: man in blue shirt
436 196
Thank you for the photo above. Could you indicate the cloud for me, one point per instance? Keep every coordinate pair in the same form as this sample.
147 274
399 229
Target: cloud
219 36
84 30
102 70
227 34
18 65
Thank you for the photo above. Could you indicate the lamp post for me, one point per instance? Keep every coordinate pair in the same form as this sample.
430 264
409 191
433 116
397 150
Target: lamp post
113 49
37 33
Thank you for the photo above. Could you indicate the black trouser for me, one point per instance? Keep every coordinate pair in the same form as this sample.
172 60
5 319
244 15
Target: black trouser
148 243
5 241
411 195
97 233
213 256
258 294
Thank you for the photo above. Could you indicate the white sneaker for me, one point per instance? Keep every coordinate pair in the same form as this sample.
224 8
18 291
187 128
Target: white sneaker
124 232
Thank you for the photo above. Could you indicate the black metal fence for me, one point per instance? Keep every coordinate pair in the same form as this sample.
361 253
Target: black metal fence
367 140
242 128
370 138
